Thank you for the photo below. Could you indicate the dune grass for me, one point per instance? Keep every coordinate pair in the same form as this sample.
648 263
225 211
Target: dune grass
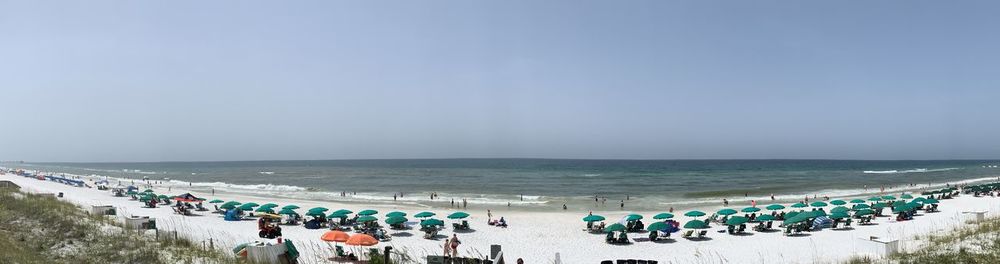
976 243
42 229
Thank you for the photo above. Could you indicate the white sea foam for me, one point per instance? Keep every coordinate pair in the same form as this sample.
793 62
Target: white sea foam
266 172
909 171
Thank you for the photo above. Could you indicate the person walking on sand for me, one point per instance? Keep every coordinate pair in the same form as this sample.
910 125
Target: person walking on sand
623 204
454 245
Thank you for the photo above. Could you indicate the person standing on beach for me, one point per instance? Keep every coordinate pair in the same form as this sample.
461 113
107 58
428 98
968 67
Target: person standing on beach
772 197
452 202
465 203
725 202
213 191
394 197
623 204
564 206
447 247
489 214
454 245
671 209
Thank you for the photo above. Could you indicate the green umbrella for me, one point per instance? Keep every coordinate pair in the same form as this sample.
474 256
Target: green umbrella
839 209
264 210
614 227
336 215
593 218
694 213
458 215
919 200
766 217
902 208
838 202
878 205
695 224
216 201
290 206
798 218
148 190
395 220
367 218
423 214
791 214
838 215
906 196
861 206
633 217
287 211
656 226
930 201
662 216
737 220
394 214
750 210
314 213
898 203
318 209
145 198
343 212
864 212
228 206
775 207
269 205
727 211
233 203
858 201
431 222
245 208
799 205
818 204
251 204
367 212
875 199
888 197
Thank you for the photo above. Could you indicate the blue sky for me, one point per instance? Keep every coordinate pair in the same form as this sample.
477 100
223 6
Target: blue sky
247 80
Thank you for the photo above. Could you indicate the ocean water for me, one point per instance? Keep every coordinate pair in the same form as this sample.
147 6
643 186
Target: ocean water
544 184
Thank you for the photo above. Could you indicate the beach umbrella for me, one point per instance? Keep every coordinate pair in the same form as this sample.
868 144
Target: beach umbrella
228 206
395 220
919 200
750 210
431 222
269 205
898 203
148 191
216 201
766 217
145 198
818 204
861 206
343 212
775 207
395 214
727 211
663 216
290 206
264 210
593 218
737 220
361 240
839 209
875 199
799 205
245 207
335 236
888 197
864 212
423 214
233 203
251 204
930 201
315 214
318 209
336 215
857 201
838 215
838 202
367 212
798 218
657 226
695 224
458 215
287 212
878 205
901 208
694 213
633 217
614 227
906 196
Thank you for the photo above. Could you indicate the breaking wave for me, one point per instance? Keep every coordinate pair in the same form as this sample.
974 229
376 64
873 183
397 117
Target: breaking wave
909 171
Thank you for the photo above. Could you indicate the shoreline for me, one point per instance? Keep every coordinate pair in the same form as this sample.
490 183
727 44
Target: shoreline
537 236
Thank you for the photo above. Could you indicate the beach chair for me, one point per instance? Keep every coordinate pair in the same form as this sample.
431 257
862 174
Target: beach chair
702 233
834 225
788 231
687 234
847 223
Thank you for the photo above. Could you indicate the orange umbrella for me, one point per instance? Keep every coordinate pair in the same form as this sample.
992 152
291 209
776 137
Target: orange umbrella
361 240
335 236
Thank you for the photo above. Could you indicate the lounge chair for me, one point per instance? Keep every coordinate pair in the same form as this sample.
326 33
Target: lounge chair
834 226
687 234
788 230
702 233
847 223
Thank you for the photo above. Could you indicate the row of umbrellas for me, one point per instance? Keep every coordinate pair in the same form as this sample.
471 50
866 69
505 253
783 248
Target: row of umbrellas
365 216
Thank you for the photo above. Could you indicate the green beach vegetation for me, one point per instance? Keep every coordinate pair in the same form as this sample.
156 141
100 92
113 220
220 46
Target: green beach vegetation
978 242
42 229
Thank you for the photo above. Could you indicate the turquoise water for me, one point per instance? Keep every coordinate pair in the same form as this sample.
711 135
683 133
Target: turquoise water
542 183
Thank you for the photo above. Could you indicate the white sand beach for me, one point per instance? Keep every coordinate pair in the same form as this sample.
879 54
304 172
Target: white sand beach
538 236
